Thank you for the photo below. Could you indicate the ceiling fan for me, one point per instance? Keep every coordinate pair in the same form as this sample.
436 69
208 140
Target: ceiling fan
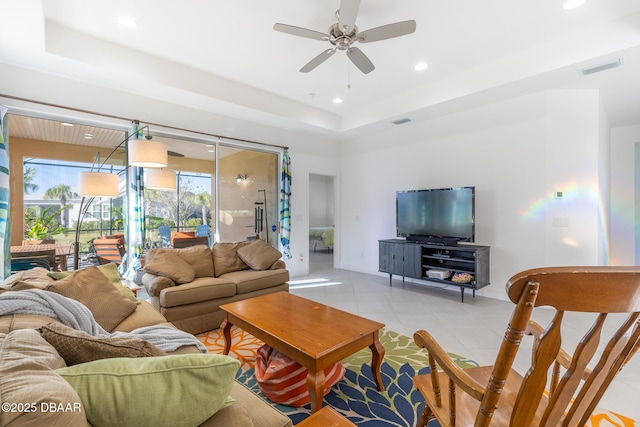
344 33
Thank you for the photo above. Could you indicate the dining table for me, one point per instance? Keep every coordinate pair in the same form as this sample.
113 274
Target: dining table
62 251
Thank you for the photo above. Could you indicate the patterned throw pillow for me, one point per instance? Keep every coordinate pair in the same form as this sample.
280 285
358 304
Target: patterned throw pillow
79 347
284 381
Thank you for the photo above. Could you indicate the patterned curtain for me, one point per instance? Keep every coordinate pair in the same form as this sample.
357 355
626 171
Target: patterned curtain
285 205
135 227
5 238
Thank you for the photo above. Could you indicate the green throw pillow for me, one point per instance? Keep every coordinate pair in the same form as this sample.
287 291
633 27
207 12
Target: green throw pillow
111 271
190 387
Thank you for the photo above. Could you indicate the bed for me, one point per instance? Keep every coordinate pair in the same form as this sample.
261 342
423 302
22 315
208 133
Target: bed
321 238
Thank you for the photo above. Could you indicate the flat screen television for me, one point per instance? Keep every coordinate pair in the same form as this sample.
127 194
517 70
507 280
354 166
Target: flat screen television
438 215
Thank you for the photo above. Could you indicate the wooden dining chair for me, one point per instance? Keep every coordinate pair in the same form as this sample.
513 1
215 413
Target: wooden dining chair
559 389
48 255
27 263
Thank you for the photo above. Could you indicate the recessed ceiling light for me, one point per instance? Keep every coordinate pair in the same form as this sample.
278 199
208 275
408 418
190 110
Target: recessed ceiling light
66 124
420 66
127 21
572 4
211 151
337 100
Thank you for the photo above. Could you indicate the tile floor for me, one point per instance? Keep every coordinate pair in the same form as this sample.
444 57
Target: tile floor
472 329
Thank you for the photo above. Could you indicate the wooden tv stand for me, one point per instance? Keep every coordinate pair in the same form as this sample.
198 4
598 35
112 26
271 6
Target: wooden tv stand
415 260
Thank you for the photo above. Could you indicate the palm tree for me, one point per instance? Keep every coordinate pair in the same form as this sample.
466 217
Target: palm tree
63 193
29 175
204 200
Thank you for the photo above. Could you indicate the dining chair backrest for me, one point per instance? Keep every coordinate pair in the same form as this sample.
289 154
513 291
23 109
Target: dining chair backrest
48 254
183 242
27 263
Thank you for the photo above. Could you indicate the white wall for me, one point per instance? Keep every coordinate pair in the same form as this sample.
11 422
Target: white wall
516 153
622 197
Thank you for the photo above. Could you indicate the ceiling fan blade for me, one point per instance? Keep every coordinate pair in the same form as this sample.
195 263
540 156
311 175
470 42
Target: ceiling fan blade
318 60
388 31
360 60
302 32
348 14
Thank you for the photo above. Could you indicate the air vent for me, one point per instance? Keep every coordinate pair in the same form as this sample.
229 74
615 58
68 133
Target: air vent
174 154
401 121
601 67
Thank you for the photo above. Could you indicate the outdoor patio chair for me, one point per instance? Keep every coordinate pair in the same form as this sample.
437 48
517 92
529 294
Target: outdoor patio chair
204 230
108 250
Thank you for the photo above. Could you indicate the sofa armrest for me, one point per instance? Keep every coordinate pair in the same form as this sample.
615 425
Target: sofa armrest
154 284
278 265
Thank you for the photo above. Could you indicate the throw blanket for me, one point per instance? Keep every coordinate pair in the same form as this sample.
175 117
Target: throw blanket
77 316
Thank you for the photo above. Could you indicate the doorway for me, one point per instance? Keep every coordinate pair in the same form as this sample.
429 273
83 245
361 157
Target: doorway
322 211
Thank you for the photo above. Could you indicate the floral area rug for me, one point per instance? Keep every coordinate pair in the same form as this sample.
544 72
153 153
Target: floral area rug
356 397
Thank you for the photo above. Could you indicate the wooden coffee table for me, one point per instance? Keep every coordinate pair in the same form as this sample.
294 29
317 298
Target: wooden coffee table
310 333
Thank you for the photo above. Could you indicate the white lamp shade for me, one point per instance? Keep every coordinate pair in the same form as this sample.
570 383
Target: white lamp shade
160 179
147 154
98 184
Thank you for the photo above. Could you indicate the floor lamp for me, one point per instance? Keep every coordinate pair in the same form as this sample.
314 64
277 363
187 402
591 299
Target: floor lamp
92 184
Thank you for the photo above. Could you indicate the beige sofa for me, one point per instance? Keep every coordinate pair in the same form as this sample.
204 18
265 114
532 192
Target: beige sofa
30 371
189 285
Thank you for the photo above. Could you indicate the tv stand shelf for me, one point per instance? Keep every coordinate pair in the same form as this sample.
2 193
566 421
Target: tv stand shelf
416 260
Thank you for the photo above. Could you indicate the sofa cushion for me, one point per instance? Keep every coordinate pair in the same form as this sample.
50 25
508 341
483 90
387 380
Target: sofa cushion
251 280
168 264
259 255
79 347
155 284
198 257
111 271
14 322
202 289
28 377
145 315
189 387
35 278
93 289
226 259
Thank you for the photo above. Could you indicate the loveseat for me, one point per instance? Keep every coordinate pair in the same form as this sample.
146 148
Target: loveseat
188 285
53 374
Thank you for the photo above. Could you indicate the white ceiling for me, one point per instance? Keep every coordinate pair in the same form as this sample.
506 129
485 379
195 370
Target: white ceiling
225 58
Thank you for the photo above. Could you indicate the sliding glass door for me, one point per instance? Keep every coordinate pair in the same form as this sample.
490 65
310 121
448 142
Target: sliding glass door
248 183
